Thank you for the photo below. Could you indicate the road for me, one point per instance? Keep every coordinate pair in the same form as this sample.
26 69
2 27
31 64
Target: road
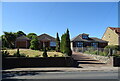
68 75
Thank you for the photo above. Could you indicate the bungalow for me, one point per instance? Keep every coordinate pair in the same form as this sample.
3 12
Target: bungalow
22 42
83 40
46 40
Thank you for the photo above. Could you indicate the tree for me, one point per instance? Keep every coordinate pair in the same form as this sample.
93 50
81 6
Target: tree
57 43
34 44
20 33
4 42
31 35
68 46
10 38
65 44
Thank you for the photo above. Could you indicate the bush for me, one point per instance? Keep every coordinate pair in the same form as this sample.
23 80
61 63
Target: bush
95 52
34 44
68 51
113 47
45 53
37 55
87 52
116 55
55 55
5 53
22 55
17 54
4 48
101 53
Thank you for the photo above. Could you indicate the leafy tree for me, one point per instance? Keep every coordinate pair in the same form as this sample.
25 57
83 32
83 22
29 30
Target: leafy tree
20 33
4 42
34 44
58 43
45 52
31 35
10 38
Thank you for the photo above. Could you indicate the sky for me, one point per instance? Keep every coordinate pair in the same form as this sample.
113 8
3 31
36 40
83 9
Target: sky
51 17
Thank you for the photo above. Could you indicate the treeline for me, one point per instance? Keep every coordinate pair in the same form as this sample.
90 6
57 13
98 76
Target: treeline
9 38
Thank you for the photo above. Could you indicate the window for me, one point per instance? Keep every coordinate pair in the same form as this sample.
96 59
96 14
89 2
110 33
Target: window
95 45
79 44
85 37
52 43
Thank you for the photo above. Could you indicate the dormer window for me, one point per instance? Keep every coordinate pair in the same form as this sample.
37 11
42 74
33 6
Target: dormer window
85 36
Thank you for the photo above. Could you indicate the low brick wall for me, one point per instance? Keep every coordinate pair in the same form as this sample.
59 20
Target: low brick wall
116 61
14 62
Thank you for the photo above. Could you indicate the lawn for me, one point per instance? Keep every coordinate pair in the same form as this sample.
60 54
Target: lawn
34 53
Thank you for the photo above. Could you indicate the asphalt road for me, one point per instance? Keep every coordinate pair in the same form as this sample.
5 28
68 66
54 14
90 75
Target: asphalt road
66 75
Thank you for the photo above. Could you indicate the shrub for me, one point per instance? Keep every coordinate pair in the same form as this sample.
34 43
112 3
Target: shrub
17 54
55 55
4 48
45 53
95 52
22 55
34 44
113 47
68 52
37 55
5 53
87 52
116 55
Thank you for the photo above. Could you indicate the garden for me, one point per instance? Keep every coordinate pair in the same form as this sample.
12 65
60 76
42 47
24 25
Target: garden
30 53
110 50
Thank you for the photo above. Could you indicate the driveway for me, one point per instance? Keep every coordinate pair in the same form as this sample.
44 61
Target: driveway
85 61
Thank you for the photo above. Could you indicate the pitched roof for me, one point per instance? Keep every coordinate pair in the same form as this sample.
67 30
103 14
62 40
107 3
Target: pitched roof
90 39
22 38
117 30
46 37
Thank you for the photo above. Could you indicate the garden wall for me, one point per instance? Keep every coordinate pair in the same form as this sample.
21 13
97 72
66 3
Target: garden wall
116 61
14 62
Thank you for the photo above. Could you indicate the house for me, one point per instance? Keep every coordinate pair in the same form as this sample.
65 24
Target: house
83 40
112 35
22 42
46 40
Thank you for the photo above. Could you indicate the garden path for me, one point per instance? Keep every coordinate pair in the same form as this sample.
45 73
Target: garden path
85 61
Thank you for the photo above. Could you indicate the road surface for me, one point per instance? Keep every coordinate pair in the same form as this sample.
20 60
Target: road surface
66 75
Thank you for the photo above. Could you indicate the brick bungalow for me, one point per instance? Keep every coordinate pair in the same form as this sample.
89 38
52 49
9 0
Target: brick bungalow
47 41
44 40
83 40
22 42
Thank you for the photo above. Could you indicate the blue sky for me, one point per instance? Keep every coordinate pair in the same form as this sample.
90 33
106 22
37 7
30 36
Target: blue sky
51 17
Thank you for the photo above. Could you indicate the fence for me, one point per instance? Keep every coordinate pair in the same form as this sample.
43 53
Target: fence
96 51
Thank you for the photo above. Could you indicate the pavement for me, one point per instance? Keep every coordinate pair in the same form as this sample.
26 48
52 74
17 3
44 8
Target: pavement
85 64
